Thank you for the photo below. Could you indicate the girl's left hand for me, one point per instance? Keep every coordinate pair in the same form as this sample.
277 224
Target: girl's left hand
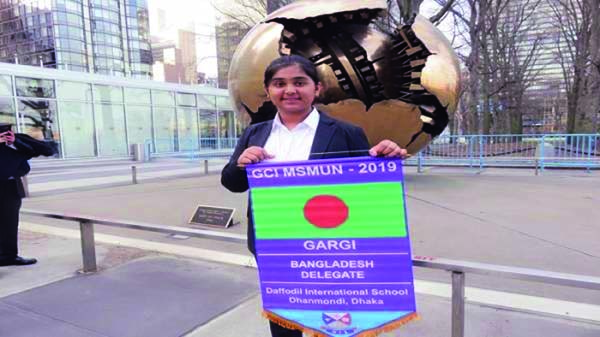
387 148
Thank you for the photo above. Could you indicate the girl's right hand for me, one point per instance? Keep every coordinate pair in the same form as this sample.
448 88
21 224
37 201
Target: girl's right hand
252 155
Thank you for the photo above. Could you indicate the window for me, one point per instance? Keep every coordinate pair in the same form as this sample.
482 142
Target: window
139 122
39 118
137 96
67 90
75 33
7 111
164 129
107 93
77 126
227 124
160 97
208 127
33 87
110 121
187 123
186 99
223 103
61 17
73 6
74 19
206 102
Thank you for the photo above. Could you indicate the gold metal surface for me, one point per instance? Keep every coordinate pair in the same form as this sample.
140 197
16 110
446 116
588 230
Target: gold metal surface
258 48
381 121
370 79
441 75
419 143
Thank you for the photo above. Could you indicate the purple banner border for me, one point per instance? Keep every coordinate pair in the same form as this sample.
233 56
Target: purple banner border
353 170
324 172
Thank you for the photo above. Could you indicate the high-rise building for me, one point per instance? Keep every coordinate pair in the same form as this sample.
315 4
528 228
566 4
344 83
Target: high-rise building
100 36
229 36
175 59
546 91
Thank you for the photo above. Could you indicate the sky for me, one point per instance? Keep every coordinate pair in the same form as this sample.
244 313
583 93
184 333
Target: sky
201 15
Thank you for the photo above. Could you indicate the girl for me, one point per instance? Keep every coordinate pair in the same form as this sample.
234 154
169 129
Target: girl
298 132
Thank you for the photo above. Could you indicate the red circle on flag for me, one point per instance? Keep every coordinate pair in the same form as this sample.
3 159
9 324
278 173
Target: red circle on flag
326 211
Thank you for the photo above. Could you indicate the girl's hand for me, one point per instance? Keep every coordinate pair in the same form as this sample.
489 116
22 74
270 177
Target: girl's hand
387 148
252 155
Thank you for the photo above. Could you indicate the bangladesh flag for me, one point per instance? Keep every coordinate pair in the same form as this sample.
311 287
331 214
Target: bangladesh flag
332 245
361 210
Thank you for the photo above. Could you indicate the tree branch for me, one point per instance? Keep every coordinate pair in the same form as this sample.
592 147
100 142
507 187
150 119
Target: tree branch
442 12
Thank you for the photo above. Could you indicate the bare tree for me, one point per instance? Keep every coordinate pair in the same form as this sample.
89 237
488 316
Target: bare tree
445 9
247 13
595 61
469 18
515 55
500 59
577 52
404 11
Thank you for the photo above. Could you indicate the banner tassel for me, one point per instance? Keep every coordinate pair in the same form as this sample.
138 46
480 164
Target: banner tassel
370 333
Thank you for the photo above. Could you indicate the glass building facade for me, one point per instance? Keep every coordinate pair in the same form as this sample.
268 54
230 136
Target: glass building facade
100 36
101 116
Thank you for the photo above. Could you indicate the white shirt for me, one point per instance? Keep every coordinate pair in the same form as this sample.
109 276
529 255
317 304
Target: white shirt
295 144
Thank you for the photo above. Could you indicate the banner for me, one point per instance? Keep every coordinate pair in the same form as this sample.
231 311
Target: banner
332 245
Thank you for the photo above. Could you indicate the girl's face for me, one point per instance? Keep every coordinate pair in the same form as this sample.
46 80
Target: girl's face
292 91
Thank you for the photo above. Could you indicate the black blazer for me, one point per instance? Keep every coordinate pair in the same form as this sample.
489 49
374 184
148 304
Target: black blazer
333 139
14 161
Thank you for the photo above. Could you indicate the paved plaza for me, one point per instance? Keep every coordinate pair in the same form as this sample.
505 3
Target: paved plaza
152 284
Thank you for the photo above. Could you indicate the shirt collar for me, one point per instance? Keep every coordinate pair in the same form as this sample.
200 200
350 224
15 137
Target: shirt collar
311 121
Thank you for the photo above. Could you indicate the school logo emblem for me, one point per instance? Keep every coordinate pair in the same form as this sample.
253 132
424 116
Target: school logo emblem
338 323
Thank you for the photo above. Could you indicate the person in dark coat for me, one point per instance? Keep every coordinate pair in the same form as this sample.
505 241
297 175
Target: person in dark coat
298 132
15 151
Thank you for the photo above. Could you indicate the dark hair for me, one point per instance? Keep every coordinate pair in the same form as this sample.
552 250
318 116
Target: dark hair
290 60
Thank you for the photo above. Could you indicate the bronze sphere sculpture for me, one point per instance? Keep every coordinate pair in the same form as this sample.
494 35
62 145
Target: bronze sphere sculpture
400 87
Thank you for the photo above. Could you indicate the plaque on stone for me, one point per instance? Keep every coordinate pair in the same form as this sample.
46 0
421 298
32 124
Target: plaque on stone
213 216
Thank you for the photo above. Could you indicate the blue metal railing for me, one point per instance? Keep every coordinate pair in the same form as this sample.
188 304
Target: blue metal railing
474 151
539 151
188 148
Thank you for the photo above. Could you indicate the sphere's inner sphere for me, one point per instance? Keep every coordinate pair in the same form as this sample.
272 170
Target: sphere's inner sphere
367 65
397 86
